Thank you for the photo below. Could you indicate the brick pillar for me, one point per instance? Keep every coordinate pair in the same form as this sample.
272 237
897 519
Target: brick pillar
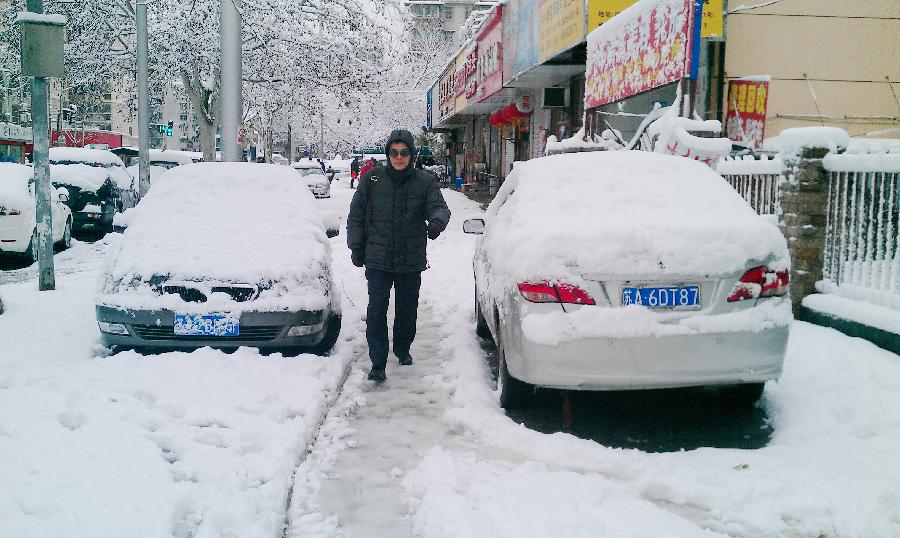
803 197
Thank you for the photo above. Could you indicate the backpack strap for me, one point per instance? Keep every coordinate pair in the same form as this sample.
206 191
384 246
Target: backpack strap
373 180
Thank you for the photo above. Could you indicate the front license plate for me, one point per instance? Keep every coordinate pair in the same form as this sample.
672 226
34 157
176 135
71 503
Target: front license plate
206 325
666 298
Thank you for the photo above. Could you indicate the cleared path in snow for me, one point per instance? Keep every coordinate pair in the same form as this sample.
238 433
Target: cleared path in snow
351 483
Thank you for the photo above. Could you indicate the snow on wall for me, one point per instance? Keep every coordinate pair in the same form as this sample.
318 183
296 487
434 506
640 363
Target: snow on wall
581 142
749 165
862 162
794 140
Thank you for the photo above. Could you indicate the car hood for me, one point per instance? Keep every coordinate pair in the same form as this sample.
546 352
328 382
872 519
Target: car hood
223 221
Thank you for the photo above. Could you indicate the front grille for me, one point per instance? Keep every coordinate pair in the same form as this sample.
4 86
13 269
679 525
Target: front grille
237 293
190 295
153 332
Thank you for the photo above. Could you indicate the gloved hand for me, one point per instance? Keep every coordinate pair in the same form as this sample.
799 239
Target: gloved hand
358 257
433 230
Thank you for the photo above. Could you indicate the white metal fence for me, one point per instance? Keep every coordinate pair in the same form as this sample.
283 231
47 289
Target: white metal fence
754 179
862 253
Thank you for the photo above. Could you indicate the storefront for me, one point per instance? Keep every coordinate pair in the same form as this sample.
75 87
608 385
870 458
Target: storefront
15 143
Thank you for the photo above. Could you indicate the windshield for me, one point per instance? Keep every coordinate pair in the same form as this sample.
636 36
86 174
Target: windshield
164 164
309 171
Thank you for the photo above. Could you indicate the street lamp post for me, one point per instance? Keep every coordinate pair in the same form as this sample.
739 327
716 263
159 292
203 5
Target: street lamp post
230 67
143 82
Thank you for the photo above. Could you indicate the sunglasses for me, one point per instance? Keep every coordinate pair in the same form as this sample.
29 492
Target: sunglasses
402 153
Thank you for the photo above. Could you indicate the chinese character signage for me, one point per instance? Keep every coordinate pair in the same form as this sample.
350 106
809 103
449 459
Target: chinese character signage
428 110
746 117
600 11
490 47
446 92
648 49
561 26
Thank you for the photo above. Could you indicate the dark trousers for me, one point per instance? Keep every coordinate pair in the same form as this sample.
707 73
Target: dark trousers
406 295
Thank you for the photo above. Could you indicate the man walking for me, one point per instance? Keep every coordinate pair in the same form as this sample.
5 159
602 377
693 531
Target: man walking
354 170
392 213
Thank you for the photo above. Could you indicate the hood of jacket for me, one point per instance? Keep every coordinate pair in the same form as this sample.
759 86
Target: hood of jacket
401 135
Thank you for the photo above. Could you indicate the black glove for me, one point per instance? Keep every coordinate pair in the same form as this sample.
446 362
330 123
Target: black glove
433 230
358 257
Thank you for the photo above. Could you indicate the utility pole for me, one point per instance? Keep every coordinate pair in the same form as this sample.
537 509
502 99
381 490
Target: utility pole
143 82
42 40
321 138
230 67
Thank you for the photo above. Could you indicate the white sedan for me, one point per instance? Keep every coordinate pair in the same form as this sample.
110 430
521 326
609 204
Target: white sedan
222 255
17 212
629 270
316 181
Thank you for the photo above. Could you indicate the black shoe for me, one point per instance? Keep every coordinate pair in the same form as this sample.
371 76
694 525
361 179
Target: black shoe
405 359
377 374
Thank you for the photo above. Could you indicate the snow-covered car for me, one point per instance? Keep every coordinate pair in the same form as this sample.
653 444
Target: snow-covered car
222 255
161 161
316 181
629 270
18 232
98 183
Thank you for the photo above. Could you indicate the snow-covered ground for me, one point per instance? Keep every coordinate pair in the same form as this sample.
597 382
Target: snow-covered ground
215 444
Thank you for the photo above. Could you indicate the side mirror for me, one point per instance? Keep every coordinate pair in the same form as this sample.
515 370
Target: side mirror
332 232
473 226
63 194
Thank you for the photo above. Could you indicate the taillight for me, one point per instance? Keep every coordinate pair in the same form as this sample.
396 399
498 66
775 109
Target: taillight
760 282
544 292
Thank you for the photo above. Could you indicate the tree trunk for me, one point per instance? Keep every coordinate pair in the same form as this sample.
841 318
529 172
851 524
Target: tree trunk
203 103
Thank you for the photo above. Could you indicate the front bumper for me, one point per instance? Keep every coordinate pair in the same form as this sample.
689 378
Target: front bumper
648 362
154 329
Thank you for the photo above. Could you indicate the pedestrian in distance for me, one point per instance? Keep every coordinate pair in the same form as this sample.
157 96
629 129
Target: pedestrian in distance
330 173
368 165
354 171
394 212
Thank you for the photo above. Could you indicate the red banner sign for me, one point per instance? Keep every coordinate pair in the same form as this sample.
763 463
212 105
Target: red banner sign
746 118
638 50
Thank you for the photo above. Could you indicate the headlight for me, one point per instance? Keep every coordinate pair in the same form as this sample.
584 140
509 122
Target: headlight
112 328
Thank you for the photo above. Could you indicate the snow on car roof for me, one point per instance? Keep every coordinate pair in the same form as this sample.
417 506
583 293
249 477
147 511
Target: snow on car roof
14 180
624 213
170 156
238 222
84 176
306 163
85 155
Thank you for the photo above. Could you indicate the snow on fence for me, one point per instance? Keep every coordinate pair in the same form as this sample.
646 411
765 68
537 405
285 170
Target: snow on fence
862 237
754 179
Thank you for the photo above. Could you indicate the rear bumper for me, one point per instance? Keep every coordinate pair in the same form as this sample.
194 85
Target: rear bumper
15 233
98 221
648 362
154 329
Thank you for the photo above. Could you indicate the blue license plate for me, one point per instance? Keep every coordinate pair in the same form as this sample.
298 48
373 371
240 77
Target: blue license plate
666 298
206 325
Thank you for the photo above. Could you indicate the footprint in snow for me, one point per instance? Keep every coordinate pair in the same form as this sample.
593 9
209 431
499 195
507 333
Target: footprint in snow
71 420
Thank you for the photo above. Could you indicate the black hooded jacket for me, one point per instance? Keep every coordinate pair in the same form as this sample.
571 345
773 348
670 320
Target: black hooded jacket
403 202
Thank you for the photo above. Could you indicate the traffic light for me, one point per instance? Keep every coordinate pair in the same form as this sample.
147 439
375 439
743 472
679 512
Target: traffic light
163 129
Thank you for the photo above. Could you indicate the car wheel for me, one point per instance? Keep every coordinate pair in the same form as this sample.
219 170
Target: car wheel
514 394
481 326
745 394
332 330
